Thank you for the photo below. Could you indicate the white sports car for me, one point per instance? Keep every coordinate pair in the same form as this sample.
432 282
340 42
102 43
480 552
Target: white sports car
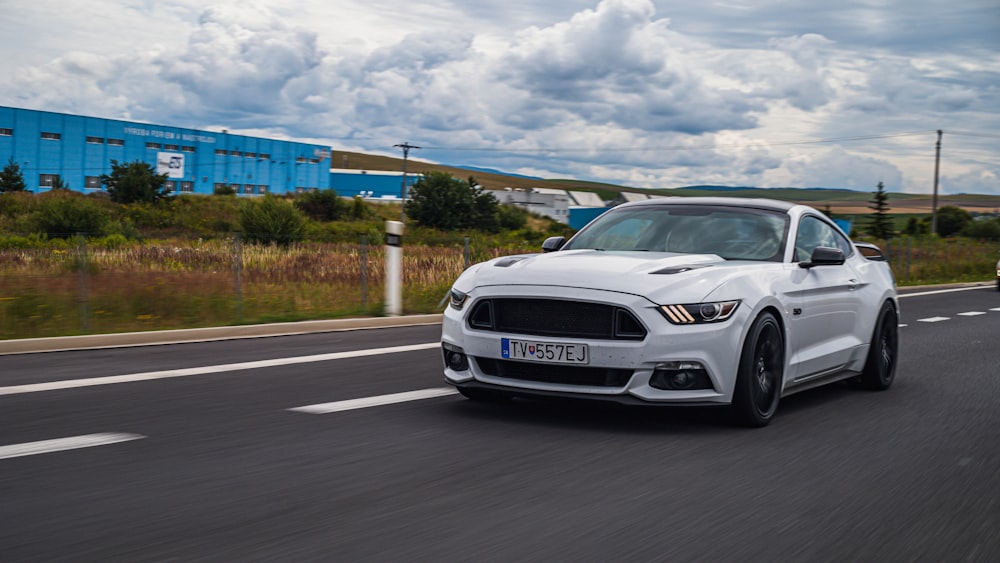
678 301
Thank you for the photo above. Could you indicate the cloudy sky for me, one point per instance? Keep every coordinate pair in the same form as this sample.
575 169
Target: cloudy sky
647 93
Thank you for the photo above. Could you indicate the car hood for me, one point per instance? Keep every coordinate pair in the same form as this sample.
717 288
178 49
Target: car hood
678 278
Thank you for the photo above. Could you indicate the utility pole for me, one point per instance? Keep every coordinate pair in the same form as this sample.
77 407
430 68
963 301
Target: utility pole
402 190
937 166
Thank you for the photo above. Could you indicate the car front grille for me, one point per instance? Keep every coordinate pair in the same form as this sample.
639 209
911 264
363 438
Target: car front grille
551 373
556 317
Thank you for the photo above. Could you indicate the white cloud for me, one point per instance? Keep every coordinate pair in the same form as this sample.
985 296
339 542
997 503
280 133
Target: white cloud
642 92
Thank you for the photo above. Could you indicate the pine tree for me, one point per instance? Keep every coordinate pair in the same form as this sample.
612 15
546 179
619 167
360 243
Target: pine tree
880 226
11 178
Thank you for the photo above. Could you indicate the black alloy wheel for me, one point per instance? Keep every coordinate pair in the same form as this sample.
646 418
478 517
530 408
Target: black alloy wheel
880 367
761 370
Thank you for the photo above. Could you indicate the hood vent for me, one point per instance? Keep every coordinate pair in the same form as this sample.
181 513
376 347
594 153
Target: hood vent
680 269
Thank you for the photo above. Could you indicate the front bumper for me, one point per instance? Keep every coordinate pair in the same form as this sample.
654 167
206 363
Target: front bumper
715 346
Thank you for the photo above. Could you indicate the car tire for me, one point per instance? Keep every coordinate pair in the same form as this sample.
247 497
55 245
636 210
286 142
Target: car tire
883 352
760 375
484 395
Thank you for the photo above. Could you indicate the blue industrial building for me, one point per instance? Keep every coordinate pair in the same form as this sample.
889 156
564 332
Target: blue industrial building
370 184
77 150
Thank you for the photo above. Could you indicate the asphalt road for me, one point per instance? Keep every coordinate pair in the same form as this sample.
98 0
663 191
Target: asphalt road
210 463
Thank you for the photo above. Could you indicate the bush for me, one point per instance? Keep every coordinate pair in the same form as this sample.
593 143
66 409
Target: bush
322 205
224 189
271 219
62 214
511 218
989 229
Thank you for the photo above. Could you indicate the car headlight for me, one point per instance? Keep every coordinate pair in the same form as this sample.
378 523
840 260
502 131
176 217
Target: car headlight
699 313
457 298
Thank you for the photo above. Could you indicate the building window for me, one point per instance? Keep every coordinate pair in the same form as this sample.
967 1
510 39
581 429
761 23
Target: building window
235 188
248 188
261 189
170 147
219 187
152 145
116 142
301 159
95 140
250 154
300 190
6 132
187 148
92 182
171 185
313 161
187 187
220 152
264 156
51 136
47 180
235 153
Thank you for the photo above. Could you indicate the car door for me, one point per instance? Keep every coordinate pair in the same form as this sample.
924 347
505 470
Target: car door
822 331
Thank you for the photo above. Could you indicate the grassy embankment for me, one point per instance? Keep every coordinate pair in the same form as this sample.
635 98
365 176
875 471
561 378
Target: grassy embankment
177 265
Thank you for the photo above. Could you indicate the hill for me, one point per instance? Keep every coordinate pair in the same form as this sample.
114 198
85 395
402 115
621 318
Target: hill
839 200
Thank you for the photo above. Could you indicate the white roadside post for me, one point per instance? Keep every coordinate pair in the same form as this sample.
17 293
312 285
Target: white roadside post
393 268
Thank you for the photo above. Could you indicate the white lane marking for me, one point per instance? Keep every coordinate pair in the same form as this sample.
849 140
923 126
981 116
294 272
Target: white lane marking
995 309
933 319
62 444
901 326
151 375
972 314
936 291
365 402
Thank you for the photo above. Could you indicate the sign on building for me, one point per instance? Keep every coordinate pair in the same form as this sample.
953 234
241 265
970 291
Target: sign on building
170 163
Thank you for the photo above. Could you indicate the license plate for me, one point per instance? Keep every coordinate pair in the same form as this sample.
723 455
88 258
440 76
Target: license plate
553 352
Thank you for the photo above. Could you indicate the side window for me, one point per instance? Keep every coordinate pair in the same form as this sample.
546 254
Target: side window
814 233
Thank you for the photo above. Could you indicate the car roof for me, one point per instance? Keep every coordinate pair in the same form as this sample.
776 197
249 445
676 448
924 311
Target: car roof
756 203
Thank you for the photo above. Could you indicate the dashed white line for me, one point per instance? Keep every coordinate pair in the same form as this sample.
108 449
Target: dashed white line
151 375
933 319
903 325
365 402
972 314
62 444
995 309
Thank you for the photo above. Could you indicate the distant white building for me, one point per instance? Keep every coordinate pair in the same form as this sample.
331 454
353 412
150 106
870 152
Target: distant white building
550 203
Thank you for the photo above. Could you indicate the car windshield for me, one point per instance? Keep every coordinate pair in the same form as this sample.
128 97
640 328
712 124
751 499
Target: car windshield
733 233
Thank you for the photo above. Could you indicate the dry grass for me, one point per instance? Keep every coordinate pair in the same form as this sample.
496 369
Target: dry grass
50 292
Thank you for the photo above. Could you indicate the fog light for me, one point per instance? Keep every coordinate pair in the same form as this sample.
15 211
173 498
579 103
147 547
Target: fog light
680 376
455 358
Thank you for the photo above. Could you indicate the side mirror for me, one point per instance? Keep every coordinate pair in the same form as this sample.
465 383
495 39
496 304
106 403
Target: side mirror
553 244
823 256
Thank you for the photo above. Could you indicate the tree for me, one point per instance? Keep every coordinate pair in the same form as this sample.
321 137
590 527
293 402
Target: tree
11 178
135 182
322 205
270 219
915 226
441 201
880 225
60 184
951 220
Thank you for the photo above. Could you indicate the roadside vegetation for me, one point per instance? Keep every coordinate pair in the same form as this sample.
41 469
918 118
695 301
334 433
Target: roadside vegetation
143 260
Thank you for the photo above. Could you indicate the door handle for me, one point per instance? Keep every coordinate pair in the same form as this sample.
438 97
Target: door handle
852 284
